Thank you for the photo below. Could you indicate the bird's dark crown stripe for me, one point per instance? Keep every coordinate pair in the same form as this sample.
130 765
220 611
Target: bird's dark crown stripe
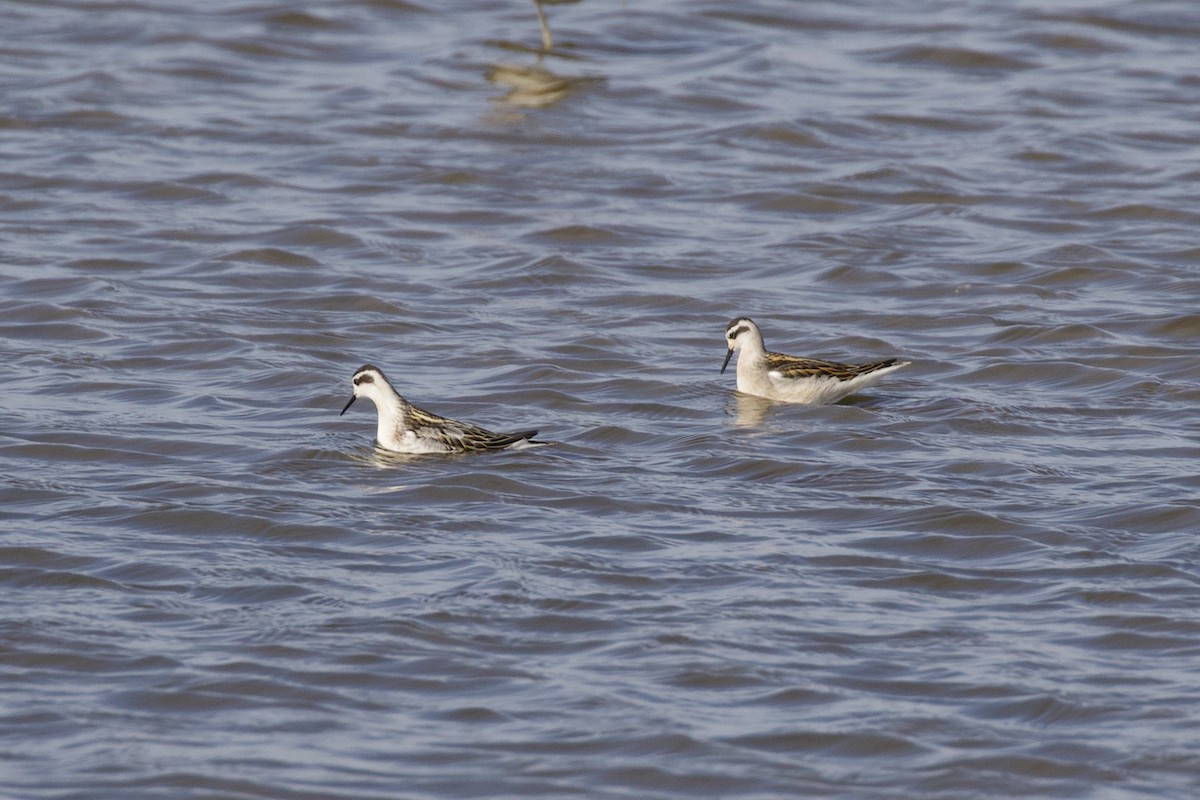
366 374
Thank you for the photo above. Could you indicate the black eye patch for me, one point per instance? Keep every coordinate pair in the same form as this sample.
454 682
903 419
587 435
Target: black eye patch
363 379
738 331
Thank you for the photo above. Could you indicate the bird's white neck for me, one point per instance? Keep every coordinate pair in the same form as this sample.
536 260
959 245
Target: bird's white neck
391 411
752 347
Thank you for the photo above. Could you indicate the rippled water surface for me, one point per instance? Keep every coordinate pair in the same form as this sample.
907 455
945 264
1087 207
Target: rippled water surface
978 579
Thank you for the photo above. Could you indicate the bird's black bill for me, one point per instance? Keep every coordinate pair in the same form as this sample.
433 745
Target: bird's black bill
728 356
353 397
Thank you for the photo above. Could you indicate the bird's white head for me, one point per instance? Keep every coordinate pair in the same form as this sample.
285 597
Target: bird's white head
737 333
370 382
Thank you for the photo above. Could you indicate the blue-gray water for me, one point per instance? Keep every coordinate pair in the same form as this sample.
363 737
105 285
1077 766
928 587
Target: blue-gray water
979 579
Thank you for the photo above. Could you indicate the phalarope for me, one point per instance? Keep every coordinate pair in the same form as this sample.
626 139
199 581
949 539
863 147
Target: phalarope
405 428
792 379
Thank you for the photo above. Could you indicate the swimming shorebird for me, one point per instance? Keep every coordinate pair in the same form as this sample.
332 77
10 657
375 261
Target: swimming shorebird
791 379
405 428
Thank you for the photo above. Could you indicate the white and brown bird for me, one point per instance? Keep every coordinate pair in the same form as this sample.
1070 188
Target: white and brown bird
404 428
792 379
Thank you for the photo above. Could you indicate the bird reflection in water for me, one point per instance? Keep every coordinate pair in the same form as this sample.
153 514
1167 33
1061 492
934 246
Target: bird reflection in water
751 411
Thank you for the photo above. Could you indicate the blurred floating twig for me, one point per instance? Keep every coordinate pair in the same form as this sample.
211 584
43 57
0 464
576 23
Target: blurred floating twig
534 87
547 39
